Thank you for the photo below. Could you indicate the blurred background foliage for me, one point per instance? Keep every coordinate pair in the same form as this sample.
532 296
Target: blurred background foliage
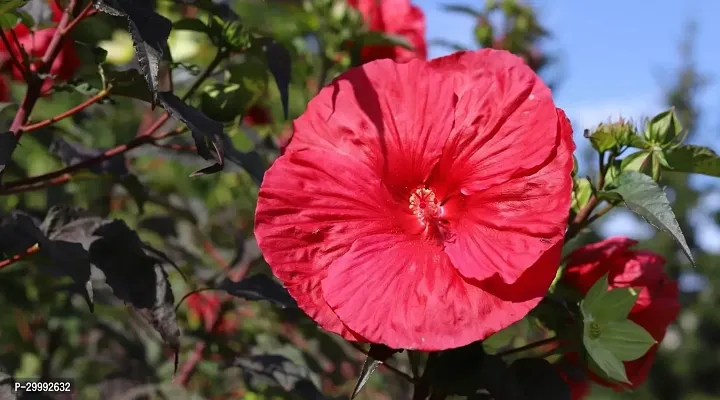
205 223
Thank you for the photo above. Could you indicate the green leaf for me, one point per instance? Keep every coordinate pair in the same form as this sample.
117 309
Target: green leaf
373 38
626 340
582 190
634 161
643 196
663 128
377 355
603 140
602 305
279 63
595 295
191 24
607 362
694 160
10 5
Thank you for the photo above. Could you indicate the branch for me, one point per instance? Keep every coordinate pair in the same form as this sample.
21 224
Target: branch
86 12
69 113
34 82
64 175
13 57
12 260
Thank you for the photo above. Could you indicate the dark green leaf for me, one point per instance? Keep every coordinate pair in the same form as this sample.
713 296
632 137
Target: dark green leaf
8 142
262 370
205 131
464 381
128 83
259 287
279 63
150 32
191 24
65 257
612 305
132 269
539 380
694 160
643 196
374 38
462 9
10 5
377 355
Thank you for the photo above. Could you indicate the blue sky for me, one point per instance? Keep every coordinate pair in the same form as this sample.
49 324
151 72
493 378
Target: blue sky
616 58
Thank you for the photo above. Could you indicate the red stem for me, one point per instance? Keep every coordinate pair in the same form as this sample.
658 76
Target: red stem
87 103
34 82
13 57
12 260
86 12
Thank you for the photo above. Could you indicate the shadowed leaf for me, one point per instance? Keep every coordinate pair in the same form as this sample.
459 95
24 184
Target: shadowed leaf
264 370
539 380
8 142
150 32
259 287
377 355
279 63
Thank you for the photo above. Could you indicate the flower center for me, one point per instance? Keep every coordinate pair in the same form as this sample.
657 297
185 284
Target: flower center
425 205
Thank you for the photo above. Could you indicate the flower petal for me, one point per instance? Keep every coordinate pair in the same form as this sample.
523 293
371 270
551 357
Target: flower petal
312 205
392 117
406 294
503 229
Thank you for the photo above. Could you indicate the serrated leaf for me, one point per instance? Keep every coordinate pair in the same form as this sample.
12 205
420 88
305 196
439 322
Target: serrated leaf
279 63
8 142
607 362
274 370
205 131
694 160
132 269
150 32
626 340
375 38
539 380
259 287
64 257
128 83
377 355
643 196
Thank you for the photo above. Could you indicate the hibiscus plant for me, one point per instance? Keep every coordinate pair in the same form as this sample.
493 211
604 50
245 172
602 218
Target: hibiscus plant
209 199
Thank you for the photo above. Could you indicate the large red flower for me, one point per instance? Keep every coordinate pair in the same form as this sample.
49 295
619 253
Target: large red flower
398 17
657 305
36 44
421 205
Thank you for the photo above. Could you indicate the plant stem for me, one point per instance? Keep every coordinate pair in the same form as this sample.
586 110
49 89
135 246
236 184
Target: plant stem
64 175
86 12
528 346
12 260
69 113
386 365
34 82
13 58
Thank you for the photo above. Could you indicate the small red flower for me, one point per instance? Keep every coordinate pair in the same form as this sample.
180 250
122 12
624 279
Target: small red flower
4 90
206 306
257 115
36 44
421 205
657 305
574 377
398 17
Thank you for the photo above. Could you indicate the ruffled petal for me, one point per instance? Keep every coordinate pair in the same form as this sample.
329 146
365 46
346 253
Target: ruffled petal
506 123
505 228
395 118
312 206
407 294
